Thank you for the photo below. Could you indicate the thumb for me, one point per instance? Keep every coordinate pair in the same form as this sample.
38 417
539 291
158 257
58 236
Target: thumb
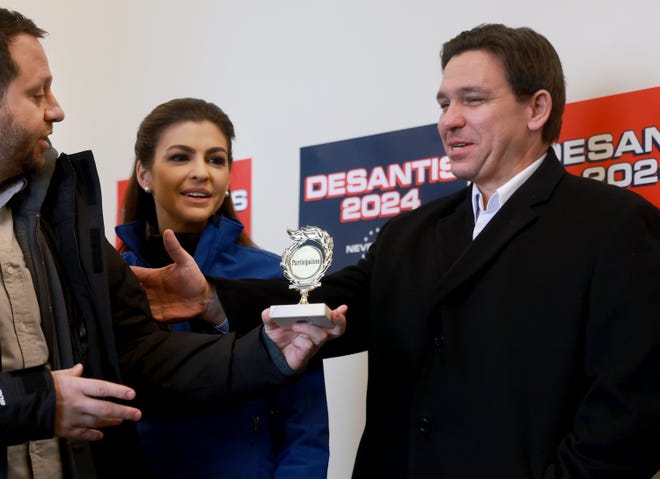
76 370
267 320
174 248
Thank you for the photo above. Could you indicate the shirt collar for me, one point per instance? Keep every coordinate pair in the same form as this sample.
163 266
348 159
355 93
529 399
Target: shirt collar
8 190
504 192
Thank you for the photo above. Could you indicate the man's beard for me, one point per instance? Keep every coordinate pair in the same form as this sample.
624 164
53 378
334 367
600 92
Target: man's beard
17 150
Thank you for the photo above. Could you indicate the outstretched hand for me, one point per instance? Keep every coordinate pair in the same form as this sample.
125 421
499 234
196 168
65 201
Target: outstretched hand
179 290
80 411
303 340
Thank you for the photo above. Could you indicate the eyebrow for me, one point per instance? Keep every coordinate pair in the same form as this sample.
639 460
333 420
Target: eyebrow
40 83
188 149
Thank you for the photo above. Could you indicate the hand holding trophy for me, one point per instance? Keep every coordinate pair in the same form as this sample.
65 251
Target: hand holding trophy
304 263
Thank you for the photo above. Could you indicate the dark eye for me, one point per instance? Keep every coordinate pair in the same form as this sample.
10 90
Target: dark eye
473 100
444 105
179 158
218 160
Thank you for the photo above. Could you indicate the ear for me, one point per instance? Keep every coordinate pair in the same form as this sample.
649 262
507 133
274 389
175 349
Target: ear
143 176
540 105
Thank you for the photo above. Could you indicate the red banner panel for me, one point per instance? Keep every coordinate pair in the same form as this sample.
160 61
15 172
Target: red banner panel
615 139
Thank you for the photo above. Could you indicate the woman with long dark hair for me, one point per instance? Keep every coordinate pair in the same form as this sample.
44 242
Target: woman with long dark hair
180 181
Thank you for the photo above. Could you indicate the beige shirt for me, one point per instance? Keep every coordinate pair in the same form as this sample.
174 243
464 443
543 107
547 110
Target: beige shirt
23 345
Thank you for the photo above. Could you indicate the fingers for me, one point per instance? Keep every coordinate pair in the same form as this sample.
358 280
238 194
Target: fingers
78 425
90 421
305 345
82 408
340 311
301 342
89 433
338 317
310 335
315 334
84 434
95 387
100 388
107 410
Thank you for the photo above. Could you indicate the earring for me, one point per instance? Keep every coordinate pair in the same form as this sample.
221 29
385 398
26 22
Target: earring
227 193
147 190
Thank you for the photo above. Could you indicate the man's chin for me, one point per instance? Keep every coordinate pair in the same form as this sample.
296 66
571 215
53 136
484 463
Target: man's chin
35 161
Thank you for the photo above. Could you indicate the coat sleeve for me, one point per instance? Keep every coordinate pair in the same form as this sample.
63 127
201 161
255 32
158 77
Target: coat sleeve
175 371
27 405
615 431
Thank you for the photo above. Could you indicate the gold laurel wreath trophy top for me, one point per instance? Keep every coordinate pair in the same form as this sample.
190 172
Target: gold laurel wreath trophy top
304 263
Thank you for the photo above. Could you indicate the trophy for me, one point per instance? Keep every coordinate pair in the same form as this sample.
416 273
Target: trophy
304 263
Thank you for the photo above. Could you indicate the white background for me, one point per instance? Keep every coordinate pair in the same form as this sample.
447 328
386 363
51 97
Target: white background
294 73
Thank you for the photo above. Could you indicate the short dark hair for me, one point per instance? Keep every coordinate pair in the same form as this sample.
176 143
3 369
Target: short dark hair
139 205
12 24
530 64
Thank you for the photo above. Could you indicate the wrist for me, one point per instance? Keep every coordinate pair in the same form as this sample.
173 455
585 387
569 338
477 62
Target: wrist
212 311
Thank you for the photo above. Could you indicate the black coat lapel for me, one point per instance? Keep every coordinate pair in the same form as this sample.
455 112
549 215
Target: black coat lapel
515 215
453 232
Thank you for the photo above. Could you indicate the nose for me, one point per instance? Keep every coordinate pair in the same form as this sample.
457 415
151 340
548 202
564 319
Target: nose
451 118
199 168
54 112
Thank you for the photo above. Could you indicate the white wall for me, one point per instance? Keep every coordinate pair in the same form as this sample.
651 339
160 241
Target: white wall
295 73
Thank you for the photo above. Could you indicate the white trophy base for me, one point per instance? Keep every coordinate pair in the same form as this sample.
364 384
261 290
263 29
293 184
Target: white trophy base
285 315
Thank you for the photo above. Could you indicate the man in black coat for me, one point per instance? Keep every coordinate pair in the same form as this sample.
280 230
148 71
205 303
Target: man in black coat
512 328
74 322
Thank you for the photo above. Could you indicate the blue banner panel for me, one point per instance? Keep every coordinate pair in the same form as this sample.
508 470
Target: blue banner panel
352 187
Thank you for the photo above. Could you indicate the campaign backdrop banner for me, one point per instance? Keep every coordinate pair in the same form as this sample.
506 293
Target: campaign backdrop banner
241 191
615 139
351 187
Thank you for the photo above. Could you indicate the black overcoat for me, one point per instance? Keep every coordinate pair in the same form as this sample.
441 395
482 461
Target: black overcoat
532 351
